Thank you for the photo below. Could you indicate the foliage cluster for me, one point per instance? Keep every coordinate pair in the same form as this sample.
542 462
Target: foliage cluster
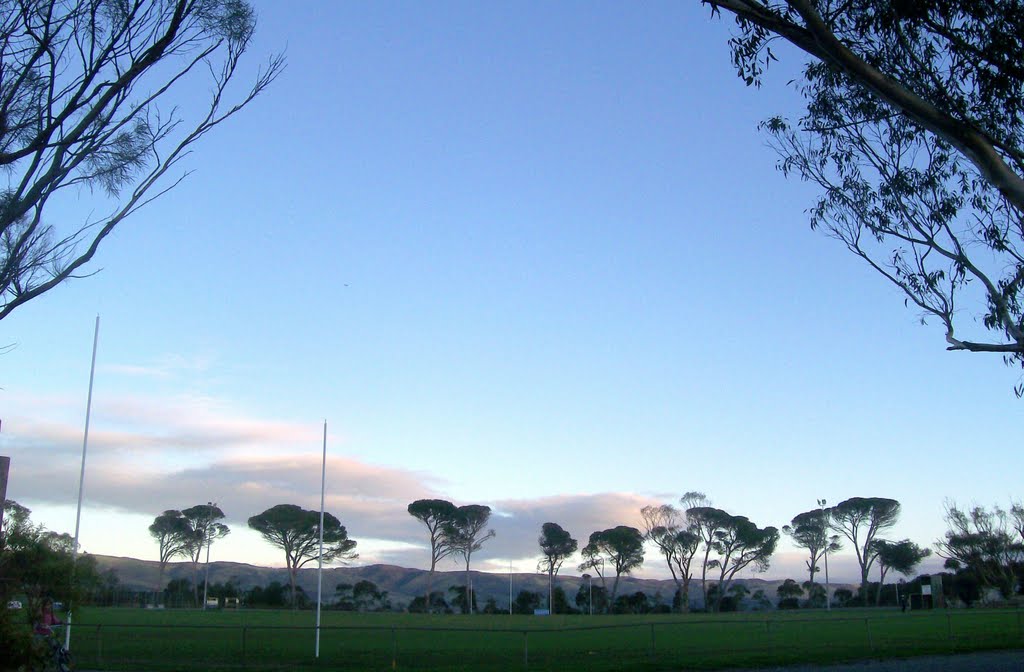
453 530
87 104
186 533
914 131
36 564
303 538
362 596
985 547
699 536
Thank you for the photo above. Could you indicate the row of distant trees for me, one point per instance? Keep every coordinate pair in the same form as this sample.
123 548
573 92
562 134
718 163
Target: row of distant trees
297 531
985 548
695 540
186 533
361 596
291 528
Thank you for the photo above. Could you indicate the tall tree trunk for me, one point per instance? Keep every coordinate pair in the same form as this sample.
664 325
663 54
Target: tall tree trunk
881 582
704 578
469 596
160 583
864 586
291 580
684 596
723 585
428 608
615 589
195 584
679 586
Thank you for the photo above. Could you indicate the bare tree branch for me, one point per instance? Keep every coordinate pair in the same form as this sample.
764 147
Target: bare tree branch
81 88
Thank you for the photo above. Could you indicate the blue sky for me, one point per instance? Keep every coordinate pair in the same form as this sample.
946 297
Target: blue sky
525 255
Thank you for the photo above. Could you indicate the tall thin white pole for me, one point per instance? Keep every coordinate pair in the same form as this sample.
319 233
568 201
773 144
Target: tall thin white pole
320 563
81 475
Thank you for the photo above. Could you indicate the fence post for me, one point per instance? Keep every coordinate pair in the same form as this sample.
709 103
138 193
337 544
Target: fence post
867 628
949 631
526 650
99 646
244 631
394 649
652 641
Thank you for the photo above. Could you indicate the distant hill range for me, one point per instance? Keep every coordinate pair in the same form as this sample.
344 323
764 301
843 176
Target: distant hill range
403 584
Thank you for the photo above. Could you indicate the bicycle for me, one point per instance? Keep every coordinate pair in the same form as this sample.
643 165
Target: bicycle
55 658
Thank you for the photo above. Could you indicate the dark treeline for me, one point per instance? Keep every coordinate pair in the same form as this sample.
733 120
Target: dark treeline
983 550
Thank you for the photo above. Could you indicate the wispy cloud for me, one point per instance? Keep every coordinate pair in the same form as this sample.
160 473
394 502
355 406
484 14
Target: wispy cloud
170 426
154 454
166 367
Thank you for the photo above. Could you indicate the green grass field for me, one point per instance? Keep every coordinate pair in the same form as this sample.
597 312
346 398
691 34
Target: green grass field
127 639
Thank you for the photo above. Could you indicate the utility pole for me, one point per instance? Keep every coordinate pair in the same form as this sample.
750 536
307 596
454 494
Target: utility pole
81 476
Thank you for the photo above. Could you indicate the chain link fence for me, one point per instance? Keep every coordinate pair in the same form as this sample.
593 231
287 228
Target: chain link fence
691 643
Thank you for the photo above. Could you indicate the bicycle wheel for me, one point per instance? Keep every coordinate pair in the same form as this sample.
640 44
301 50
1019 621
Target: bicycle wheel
64 661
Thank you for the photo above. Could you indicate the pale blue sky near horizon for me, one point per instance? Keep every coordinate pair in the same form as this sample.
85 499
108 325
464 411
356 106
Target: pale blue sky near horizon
529 256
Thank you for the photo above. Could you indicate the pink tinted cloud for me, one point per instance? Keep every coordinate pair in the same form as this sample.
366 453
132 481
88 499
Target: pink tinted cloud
177 425
168 367
249 465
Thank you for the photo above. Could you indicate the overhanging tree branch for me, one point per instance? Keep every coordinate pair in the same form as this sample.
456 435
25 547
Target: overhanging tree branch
914 129
81 85
816 39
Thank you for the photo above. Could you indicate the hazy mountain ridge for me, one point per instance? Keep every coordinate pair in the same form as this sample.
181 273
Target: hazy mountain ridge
402 583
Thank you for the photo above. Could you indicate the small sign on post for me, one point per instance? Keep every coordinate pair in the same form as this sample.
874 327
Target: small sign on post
926 600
